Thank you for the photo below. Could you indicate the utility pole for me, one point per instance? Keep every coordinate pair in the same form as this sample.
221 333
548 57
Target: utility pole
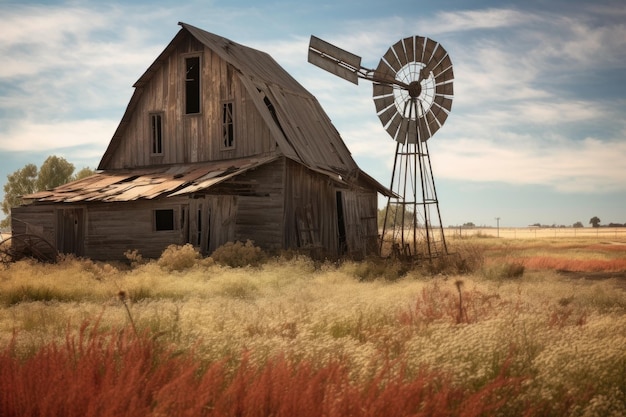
498 225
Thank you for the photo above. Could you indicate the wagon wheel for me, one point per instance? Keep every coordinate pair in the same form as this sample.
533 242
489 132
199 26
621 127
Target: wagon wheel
27 245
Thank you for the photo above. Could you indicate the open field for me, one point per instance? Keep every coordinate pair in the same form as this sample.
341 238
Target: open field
540 232
504 327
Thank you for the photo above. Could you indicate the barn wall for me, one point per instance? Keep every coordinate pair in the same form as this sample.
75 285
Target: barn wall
197 137
360 219
114 228
261 208
311 214
39 220
310 210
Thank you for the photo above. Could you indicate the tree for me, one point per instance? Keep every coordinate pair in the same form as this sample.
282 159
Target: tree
19 183
54 171
578 224
594 221
83 173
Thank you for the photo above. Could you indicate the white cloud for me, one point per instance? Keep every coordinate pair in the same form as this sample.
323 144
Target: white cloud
41 137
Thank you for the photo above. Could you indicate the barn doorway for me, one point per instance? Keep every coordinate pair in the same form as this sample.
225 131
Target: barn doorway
70 231
341 226
198 226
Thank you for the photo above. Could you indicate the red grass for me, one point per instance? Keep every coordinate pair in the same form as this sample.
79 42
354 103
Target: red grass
117 374
579 265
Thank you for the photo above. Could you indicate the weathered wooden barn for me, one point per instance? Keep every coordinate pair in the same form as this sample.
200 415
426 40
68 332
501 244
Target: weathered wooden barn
218 143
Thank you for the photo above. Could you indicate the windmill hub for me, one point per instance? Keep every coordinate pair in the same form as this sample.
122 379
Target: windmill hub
415 89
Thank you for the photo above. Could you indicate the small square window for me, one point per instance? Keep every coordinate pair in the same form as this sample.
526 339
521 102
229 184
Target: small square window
163 220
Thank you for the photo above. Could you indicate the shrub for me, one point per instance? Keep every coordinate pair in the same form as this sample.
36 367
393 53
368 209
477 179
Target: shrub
134 257
504 270
178 258
389 269
237 254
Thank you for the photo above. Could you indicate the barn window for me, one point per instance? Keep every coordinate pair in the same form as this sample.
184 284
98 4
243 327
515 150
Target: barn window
228 128
156 133
163 220
192 85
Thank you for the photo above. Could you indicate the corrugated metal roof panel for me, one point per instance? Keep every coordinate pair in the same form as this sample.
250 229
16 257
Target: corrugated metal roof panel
146 184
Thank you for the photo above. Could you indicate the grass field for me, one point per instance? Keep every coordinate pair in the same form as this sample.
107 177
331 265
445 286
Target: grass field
506 327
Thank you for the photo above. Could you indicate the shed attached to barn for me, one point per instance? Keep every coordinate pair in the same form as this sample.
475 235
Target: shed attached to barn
218 143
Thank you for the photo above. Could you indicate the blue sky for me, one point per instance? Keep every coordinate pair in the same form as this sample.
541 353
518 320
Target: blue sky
537 132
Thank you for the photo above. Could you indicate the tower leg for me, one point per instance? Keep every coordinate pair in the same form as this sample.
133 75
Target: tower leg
412 228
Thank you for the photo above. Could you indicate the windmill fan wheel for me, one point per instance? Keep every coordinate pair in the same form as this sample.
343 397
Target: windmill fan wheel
415 107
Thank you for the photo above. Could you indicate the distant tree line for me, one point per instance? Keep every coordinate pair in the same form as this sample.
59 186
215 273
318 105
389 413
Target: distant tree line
53 172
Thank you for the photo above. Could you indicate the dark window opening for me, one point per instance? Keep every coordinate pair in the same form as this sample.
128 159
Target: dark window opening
341 225
163 220
228 127
271 109
199 226
156 131
192 85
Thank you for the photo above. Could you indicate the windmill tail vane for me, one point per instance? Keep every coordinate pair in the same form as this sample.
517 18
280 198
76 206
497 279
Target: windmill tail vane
412 93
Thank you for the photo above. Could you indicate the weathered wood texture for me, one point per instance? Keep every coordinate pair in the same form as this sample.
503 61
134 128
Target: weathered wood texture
193 137
260 210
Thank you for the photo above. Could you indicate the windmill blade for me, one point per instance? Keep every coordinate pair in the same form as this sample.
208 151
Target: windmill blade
429 48
402 133
387 114
383 102
398 48
394 125
422 128
443 66
391 59
334 60
382 90
438 55
443 102
441 111
419 48
433 122
408 132
384 71
409 48
444 89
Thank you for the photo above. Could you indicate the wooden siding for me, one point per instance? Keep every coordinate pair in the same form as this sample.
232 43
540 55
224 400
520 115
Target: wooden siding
194 137
311 214
260 211
35 220
359 210
114 228
310 210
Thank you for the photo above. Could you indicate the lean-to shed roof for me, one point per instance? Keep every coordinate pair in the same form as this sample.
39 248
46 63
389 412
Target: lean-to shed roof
148 183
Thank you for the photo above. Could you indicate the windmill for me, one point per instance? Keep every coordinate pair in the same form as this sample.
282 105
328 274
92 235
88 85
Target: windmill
413 96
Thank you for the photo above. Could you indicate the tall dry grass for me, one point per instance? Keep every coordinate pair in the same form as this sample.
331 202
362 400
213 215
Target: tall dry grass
529 344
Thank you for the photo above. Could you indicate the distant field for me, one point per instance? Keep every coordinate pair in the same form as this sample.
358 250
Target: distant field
540 232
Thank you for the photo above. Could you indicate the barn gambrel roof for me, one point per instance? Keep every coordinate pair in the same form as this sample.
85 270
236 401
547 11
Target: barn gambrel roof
303 131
